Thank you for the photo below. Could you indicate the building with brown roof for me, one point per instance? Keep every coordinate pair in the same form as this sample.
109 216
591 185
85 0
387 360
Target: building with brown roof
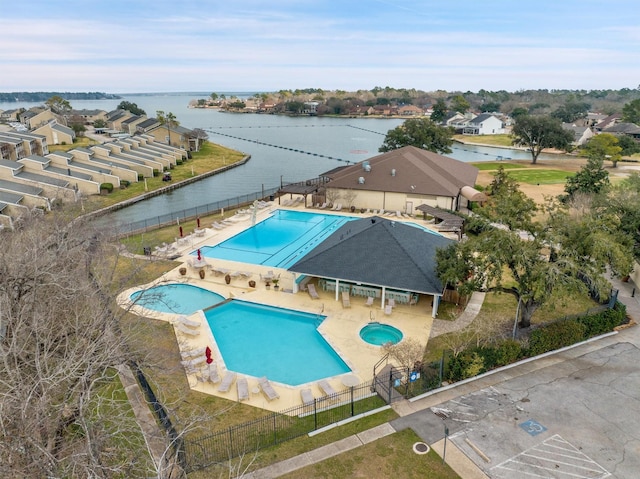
401 180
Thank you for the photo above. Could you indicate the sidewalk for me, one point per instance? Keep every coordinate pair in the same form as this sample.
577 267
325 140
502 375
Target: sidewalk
431 427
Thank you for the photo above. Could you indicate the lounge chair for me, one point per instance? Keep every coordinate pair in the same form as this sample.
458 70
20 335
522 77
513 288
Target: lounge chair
243 389
369 301
339 207
346 301
189 323
267 389
192 364
227 381
211 373
326 388
217 226
311 289
388 309
324 205
391 302
187 331
398 214
192 353
307 397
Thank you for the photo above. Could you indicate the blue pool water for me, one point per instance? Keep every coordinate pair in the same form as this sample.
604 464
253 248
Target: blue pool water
176 298
379 334
281 344
280 240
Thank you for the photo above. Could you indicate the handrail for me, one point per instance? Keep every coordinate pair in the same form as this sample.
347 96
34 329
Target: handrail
384 359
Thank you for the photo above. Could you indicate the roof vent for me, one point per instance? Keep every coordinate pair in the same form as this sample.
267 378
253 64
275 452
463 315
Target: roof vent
393 172
361 180
367 167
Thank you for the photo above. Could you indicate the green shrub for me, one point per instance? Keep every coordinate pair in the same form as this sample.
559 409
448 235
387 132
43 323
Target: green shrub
140 177
106 187
556 336
604 322
156 172
125 183
179 162
465 365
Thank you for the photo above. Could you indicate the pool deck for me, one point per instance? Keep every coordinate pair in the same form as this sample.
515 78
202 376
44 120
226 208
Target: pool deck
340 328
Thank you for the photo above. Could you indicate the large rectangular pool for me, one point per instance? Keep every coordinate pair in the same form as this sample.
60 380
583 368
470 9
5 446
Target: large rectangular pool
278 241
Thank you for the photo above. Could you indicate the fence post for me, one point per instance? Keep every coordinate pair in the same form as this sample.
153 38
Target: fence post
315 414
441 372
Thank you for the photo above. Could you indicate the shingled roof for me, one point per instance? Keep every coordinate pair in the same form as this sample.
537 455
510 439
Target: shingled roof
379 252
407 170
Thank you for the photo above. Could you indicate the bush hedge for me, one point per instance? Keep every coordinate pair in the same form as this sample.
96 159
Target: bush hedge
550 337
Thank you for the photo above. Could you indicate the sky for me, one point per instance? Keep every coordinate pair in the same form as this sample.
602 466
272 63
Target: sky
141 46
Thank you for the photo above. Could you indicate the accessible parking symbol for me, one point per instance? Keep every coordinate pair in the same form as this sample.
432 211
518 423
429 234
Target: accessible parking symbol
533 427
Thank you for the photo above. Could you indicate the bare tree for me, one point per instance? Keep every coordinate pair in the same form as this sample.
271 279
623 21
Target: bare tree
332 195
349 197
59 338
407 352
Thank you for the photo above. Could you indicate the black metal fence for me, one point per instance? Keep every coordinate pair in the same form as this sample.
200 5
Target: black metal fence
192 213
278 427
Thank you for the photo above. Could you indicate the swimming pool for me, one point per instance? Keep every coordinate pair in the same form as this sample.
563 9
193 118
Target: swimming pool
280 240
282 344
176 298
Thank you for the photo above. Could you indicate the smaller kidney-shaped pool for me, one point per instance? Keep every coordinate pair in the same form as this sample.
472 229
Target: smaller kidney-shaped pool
379 334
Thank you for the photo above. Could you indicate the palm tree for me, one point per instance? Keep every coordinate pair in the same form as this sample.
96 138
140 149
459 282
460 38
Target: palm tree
169 120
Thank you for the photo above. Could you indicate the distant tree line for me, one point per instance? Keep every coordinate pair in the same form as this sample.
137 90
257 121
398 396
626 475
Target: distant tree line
35 96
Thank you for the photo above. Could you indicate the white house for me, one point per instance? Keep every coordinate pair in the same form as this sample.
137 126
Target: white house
484 124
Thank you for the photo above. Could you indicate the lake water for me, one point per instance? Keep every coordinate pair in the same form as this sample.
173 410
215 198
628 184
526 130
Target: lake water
341 141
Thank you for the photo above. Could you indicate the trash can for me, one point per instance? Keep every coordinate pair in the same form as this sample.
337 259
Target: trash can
147 251
272 197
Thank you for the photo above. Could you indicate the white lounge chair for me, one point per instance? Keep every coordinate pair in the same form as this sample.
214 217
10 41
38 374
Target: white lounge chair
189 323
193 363
388 309
346 301
339 207
187 331
369 301
212 373
307 397
311 289
326 388
324 205
227 381
192 353
267 389
243 389
391 302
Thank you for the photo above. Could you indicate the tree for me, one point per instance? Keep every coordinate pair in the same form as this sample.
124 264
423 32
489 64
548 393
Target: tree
591 179
76 123
631 112
490 107
99 123
604 146
439 111
629 145
407 353
131 108
59 105
540 132
169 121
624 203
214 96
421 133
460 104
59 341
507 204
572 110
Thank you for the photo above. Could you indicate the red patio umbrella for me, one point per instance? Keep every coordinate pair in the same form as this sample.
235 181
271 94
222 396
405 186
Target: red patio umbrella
198 221
207 353
181 232
199 255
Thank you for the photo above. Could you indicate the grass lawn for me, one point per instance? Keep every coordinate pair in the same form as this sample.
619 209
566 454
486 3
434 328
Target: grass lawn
390 456
492 140
494 165
534 176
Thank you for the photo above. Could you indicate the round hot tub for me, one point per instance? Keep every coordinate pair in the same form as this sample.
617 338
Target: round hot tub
379 334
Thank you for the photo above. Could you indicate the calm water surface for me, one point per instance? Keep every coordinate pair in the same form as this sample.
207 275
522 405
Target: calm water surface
341 141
